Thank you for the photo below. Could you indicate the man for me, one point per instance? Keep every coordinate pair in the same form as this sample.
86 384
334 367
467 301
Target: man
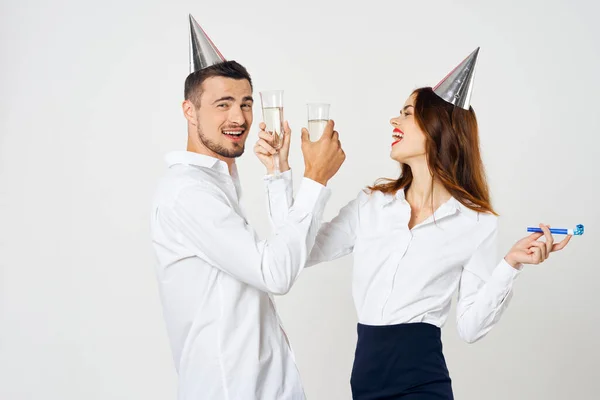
215 276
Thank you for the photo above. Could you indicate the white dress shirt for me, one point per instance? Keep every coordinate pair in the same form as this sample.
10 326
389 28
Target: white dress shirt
406 275
216 278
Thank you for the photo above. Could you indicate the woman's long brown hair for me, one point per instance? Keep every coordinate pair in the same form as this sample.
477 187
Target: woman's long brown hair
452 148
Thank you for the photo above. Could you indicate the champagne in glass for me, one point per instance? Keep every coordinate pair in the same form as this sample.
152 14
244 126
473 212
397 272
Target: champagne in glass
272 108
273 118
318 115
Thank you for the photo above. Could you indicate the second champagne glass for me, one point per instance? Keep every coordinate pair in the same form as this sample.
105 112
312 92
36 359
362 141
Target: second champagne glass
318 116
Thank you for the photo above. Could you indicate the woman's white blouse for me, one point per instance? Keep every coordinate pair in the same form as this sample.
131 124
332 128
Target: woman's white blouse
406 275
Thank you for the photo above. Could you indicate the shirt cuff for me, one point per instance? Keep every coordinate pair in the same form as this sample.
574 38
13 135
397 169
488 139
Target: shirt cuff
311 197
287 175
504 274
276 187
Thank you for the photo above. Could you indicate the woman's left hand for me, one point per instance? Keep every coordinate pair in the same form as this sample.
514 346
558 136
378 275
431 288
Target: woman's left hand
530 250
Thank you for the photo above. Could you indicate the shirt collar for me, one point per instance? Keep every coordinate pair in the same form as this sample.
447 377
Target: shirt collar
474 215
200 160
450 207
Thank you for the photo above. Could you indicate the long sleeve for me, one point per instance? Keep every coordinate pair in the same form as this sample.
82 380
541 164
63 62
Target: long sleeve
334 239
209 227
485 290
279 191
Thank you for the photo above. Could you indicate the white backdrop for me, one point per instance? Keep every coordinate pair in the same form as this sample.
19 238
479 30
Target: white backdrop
90 97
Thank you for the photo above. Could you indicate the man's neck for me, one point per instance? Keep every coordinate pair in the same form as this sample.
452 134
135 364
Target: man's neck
201 149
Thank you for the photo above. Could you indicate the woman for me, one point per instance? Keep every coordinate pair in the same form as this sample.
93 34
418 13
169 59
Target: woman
416 241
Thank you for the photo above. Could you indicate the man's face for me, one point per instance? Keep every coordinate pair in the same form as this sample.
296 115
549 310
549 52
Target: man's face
224 117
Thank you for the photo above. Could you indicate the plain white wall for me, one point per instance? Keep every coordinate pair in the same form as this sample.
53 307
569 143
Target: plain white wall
90 101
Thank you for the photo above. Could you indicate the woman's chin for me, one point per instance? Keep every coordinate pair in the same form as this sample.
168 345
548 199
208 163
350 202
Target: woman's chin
405 158
398 156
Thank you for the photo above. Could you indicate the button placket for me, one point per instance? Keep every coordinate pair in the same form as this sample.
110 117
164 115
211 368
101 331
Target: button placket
395 273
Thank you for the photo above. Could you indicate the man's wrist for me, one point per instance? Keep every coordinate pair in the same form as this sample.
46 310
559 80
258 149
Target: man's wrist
283 167
315 177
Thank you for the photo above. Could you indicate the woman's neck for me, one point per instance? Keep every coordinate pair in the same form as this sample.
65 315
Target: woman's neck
425 192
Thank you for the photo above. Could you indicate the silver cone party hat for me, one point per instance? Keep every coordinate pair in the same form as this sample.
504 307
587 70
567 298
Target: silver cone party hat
456 88
203 52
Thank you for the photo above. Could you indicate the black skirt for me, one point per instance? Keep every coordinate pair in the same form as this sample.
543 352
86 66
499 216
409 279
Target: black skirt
400 362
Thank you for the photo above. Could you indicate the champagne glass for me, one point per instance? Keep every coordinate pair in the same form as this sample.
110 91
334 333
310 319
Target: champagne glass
318 115
272 109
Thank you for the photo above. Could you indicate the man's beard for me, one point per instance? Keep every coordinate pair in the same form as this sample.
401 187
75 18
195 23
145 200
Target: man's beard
219 149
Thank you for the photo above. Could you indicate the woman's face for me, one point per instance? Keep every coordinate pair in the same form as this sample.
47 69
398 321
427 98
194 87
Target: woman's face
408 139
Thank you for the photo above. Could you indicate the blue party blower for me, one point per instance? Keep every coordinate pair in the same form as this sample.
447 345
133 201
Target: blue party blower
578 231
